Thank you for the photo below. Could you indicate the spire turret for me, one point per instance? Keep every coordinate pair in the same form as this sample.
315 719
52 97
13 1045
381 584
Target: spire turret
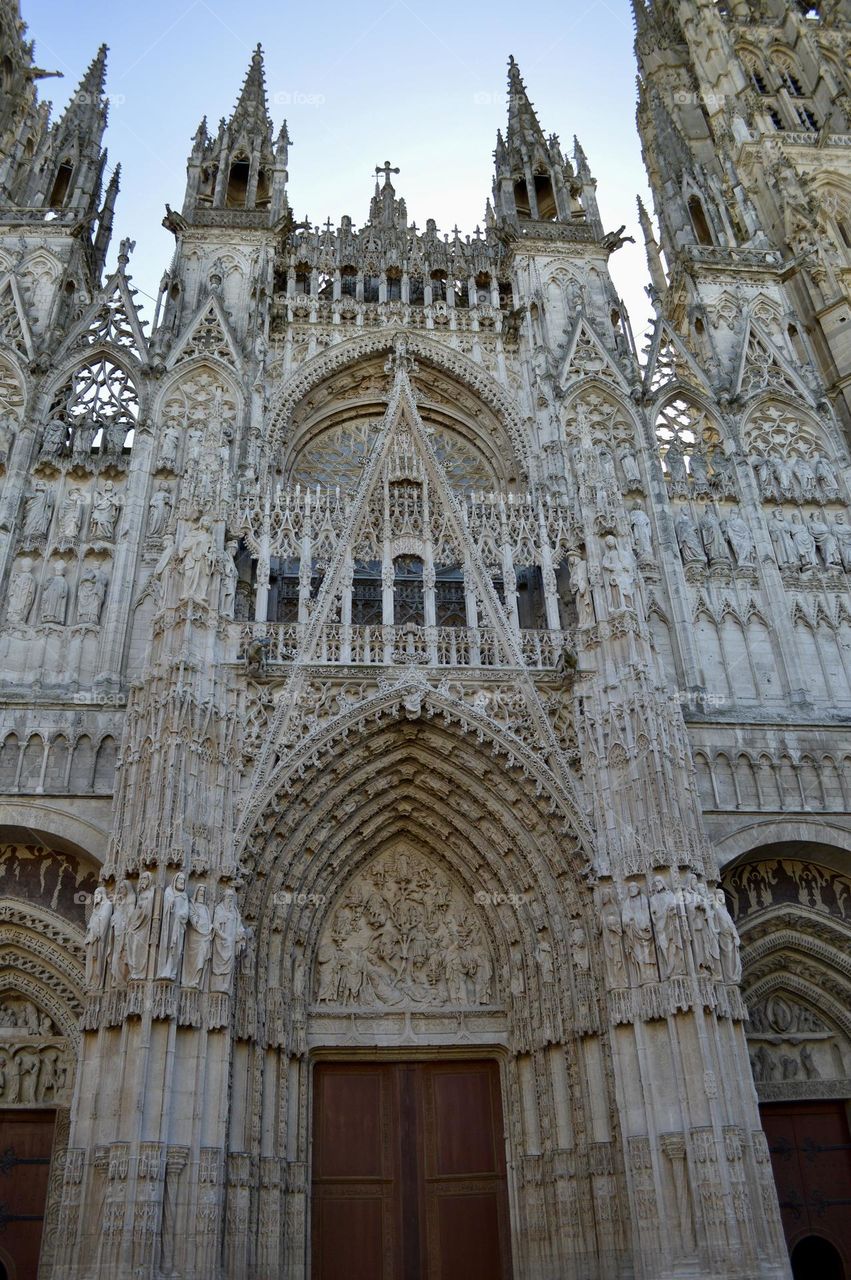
242 167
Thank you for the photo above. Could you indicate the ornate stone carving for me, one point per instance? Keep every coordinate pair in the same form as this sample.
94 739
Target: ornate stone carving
404 934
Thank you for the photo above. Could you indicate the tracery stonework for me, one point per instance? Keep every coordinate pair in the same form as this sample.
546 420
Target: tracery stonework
421 696
404 934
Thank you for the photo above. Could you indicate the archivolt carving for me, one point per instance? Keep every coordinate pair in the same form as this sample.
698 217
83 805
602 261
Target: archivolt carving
403 934
316 370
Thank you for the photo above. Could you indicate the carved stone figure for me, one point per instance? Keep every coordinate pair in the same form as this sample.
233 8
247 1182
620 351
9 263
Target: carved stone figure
38 511
8 425
85 430
664 912
21 593
159 509
197 562
71 514
620 579
638 936
175 915
803 542
717 551
228 941
630 469
784 476
740 538
138 935
169 446
690 542
97 938
676 466
842 533
54 597
764 475
827 478
697 913
581 588
122 909
825 540
106 508
230 577
53 440
612 929
781 539
199 939
728 940
699 473
642 533
90 594
114 435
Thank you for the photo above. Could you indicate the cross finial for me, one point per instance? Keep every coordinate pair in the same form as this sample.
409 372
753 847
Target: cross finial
386 169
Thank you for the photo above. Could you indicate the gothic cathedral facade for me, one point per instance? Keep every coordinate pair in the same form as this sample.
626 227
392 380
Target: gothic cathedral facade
425 781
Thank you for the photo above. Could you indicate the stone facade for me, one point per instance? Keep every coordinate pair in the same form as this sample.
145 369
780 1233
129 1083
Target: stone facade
395 659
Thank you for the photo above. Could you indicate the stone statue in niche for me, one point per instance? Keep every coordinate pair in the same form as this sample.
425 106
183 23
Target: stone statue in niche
688 539
169 446
825 541
54 597
715 544
230 577
91 594
403 934
97 938
84 437
579 951
228 941
38 511
739 537
612 929
664 911
638 937
197 558
53 440
8 424
122 908
21 593
803 542
581 588
629 467
842 534
781 539
159 509
699 473
106 508
71 514
728 940
620 579
173 927
642 534
827 478
199 939
138 934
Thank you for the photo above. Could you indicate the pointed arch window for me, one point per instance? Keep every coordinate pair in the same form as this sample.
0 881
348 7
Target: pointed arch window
61 185
263 189
237 190
408 594
699 221
100 405
521 199
545 198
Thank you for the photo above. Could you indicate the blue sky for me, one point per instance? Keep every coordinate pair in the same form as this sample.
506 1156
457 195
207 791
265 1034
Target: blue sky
422 86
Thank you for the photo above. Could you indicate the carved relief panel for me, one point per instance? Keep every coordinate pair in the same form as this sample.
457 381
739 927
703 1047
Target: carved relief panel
403 935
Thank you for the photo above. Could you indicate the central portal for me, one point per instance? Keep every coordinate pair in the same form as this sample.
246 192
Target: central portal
409 1172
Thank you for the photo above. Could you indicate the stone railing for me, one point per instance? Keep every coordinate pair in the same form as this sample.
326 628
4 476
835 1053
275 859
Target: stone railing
402 645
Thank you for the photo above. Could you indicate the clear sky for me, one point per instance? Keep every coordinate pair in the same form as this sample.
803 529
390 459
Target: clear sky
421 85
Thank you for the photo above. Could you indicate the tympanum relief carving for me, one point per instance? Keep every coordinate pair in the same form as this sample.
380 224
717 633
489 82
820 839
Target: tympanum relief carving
403 935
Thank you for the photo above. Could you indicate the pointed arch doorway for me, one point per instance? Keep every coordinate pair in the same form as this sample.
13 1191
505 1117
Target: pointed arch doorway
409 1179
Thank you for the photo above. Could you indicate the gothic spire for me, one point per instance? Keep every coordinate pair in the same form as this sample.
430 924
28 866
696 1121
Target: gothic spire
524 131
251 113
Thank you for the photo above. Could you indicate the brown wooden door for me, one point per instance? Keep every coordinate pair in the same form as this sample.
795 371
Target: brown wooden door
409 1172
811 1156
26 1141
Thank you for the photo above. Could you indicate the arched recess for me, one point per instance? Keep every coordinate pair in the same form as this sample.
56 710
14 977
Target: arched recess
469 376
450 885
792 905
332 428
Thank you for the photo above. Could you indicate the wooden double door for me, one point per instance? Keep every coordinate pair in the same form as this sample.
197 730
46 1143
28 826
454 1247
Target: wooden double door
810 1147
26 1143
409 1172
